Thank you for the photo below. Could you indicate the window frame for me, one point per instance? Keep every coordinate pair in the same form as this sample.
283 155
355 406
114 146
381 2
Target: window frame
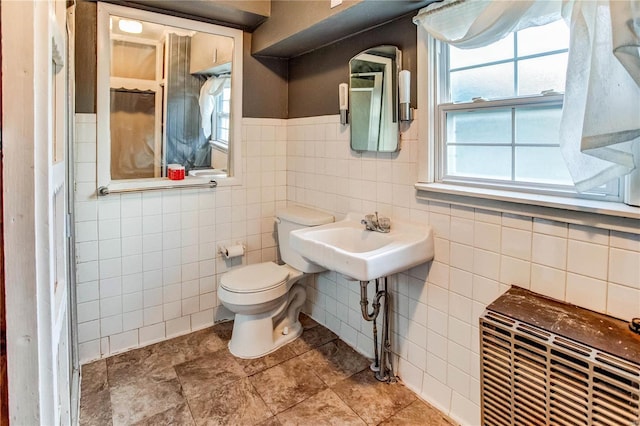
600 214
219 143
614 189
444 104
104 183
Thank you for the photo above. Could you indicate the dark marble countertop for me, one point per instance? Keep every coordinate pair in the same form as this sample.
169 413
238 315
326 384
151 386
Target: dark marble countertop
593 329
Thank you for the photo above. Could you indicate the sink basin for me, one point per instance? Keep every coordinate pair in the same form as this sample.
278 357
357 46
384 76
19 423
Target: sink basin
346 247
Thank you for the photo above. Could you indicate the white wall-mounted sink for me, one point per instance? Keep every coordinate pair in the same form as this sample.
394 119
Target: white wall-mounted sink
346 247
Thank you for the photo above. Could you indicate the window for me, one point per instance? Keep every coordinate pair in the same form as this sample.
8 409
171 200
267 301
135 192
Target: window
498 115
220 118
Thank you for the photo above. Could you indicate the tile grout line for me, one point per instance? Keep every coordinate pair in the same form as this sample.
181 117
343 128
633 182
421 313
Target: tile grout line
186 400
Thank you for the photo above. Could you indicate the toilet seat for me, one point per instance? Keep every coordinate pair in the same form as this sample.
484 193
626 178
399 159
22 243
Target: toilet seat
255 278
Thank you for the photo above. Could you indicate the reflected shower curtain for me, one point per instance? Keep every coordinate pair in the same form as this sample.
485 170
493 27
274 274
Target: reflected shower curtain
185 140
132 134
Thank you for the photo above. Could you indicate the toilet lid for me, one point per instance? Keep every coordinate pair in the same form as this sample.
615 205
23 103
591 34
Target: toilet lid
254 278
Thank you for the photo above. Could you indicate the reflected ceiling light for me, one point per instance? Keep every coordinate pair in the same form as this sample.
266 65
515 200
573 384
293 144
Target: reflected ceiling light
130 26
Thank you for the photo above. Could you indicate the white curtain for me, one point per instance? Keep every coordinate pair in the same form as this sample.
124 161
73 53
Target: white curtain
600 128
212 87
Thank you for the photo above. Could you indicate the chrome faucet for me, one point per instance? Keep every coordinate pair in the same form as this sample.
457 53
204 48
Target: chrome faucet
377 224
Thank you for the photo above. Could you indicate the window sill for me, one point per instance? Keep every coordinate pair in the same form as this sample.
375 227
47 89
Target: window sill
219 146
599 214
141 185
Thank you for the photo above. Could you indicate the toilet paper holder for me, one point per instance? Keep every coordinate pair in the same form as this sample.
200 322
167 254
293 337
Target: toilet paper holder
232 251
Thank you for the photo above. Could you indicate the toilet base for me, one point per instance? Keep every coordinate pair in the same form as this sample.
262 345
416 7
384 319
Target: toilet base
257 335
256 349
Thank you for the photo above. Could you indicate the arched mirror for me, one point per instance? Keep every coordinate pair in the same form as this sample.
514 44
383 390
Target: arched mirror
169 92
373 99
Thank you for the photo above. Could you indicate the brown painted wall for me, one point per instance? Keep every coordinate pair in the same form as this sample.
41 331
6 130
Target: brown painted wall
304 86
265 79
86 54
264 89
314 77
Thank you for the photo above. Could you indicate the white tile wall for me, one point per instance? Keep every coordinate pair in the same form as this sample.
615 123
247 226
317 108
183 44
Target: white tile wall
479 254
147 263
168 240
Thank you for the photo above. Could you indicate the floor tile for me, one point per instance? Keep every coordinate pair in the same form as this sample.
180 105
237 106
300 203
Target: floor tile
193 379
223 330
135 401
307 322
148 363
95 408
312 338
335 361
286 384
272 421
157 360
180 415
94 377
256 365
95 401
197 344
324 408
372 400
416 413
208 373
236 403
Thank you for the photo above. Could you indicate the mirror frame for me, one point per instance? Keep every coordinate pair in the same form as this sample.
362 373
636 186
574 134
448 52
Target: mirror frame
397 64
103 108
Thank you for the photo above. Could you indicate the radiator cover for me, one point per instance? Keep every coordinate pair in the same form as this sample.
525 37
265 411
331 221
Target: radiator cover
531 376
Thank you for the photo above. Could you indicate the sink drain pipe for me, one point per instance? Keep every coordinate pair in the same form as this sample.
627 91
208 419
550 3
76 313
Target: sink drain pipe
382 363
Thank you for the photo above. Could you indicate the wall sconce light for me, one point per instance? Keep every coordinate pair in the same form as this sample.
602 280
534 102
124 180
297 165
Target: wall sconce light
404 86
343 94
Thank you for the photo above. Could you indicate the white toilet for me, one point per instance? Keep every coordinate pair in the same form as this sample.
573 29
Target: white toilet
265 297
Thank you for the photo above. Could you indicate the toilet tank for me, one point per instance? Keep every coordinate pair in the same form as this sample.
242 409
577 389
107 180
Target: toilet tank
297 217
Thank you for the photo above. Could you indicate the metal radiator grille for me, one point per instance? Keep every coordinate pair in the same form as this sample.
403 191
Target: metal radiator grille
532 377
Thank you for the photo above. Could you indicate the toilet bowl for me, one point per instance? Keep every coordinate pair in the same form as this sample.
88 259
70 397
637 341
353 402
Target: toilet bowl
264 297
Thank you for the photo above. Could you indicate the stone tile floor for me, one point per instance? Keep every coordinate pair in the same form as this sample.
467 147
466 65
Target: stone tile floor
193 380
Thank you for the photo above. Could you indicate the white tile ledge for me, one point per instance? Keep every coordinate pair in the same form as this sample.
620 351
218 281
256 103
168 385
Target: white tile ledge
598 214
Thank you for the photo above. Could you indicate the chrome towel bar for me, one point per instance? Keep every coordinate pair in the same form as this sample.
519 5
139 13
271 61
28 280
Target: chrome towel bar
104 190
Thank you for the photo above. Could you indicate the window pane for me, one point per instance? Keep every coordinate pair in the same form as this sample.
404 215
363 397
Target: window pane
480 126
546 38
495 81
490 162
543 73
541 165
497 51
539 125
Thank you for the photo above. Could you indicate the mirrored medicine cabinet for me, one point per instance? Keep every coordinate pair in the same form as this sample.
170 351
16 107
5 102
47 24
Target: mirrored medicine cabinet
373 99
169 91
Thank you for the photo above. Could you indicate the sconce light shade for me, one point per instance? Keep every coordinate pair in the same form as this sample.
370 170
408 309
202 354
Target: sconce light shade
404 88
343 94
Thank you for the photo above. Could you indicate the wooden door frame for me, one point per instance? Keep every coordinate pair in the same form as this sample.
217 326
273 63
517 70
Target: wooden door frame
26 138
4 385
